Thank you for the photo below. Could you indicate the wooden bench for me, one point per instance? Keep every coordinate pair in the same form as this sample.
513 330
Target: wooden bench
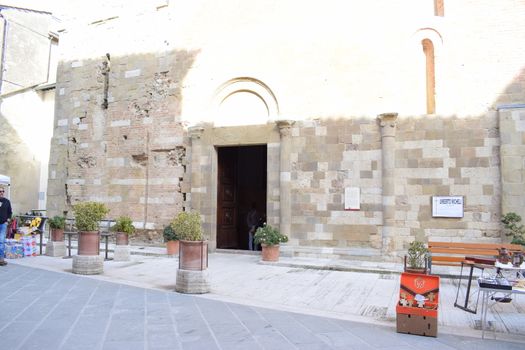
456 253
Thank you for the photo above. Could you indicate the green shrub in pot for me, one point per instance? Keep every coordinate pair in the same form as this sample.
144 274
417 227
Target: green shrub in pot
89 214
57 222
187 226
124 224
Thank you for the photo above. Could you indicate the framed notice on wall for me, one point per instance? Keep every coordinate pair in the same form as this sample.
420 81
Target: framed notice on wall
447 206
352 198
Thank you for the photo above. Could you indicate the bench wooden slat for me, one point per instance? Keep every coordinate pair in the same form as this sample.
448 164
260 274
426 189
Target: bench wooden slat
493 252
475 245
446 263
458 259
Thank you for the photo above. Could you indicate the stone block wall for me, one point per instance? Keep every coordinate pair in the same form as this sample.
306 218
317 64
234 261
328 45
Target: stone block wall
448 156
512 125
327 156
132 154
434 156
120 129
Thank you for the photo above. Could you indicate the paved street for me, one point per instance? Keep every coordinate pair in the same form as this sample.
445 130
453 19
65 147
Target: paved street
44 309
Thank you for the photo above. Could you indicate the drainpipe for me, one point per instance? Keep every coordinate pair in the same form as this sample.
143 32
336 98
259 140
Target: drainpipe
2 59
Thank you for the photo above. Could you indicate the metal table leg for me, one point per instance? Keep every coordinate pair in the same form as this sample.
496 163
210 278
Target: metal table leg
106 258
68 246
465 306
106 246
484 306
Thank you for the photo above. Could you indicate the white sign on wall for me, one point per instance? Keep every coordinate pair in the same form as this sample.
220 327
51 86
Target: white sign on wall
352 198
447 206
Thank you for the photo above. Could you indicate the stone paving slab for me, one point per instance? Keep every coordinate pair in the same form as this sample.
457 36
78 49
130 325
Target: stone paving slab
44 309
347 293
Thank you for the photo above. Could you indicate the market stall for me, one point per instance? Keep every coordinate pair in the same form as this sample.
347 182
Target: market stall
23 243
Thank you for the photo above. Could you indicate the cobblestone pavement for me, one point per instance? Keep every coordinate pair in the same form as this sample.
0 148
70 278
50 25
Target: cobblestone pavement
44 309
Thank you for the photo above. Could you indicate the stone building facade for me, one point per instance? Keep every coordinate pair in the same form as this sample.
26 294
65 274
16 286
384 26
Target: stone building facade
27 75
210 106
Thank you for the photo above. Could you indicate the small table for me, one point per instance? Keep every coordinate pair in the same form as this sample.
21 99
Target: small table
510 268
490 292
473 262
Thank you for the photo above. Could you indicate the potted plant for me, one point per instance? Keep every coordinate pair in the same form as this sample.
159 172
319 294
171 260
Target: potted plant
123 228
172 240
87 218
511 222
57 225
56 246
192 275
269 238
416 258
193 248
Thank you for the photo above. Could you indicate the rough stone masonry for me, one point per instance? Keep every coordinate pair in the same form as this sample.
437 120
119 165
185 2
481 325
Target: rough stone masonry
140 115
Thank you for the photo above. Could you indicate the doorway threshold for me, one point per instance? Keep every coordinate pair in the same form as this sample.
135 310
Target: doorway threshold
238 251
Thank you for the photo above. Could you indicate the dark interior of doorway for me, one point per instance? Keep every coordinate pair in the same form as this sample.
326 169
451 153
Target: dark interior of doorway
241 183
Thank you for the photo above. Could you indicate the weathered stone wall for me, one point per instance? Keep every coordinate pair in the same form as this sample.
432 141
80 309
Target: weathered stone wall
327 156
131 154
118 134
445 156
511 113
190 58
512 127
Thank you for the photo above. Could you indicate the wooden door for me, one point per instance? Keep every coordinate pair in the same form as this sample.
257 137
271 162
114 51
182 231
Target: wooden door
227 198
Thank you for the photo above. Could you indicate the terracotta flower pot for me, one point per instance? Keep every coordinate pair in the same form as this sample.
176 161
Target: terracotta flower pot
57 234
121 238
88 243
193 255
270 252
172 247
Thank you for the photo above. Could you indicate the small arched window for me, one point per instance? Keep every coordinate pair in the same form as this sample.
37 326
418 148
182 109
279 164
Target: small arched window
428 50
439 8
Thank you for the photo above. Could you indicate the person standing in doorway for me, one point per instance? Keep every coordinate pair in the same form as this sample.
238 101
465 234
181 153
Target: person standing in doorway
252 220
5 215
